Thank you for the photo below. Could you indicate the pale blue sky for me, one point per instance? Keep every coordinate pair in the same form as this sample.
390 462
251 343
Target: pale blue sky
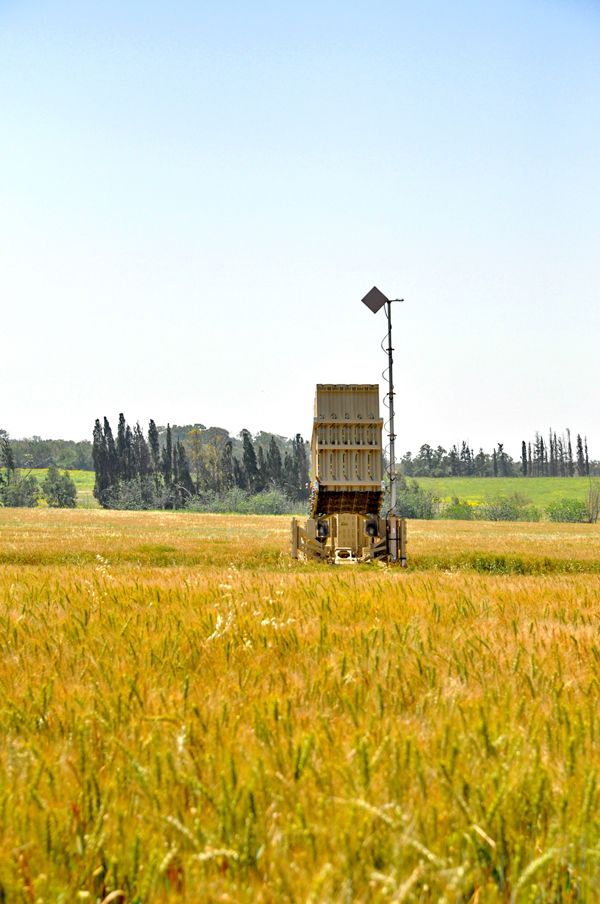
195 196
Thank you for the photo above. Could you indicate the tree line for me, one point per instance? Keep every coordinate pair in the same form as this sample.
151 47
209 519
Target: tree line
68 454
174 468
554 456
544 456
23 490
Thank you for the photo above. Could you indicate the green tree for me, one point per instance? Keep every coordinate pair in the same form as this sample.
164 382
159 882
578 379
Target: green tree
587 458
454 462
112 462
141 453
227 466
212 473
194 441
22 492
100 460
274 463
295 470
249 461
154 446
502 461
182 479
122 446
15 491
167 459
239 475
129 454
580 457
411 500
58 489
7 458
481 464
263 475
301 465
570 464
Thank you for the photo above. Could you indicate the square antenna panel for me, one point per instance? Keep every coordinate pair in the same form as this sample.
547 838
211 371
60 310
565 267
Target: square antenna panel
374 299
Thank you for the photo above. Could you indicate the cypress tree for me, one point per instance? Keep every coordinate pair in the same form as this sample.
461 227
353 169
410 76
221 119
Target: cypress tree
542 456
239 475
587 458
560 454
481 463
570 465
141 453
502 461
227 466
99 458
129 454
274 464
112 462
524 458
580 457
466 459
183 480
249 461
289 476
121 446
167 458
454 463
154 446
300 468
263 475
545 466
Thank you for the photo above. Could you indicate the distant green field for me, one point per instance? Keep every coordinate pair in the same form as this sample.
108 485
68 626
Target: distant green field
540 491
84 481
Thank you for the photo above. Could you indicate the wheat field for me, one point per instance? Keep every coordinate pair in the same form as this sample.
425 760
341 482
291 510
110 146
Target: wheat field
188 715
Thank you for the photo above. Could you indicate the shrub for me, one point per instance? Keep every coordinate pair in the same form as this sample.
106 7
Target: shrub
508 508
131 495
458 510
270 502
273 502
501 509
530 513
569 510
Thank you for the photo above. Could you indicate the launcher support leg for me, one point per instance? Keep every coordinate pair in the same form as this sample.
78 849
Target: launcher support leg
393 539
402 527
396 532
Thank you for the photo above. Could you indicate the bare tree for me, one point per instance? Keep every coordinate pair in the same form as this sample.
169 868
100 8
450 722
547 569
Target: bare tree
593 501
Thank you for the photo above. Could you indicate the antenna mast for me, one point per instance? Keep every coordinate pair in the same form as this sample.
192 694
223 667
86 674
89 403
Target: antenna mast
375 300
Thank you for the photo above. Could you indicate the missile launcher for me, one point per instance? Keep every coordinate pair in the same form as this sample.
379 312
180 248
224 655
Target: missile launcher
346 524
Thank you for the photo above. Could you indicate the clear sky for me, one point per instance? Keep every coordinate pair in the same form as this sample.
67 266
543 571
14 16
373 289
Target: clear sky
195 196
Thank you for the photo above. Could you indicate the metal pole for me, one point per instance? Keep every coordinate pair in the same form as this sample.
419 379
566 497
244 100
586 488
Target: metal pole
392 438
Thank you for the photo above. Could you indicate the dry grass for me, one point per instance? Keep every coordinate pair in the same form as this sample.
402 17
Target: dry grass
187 715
